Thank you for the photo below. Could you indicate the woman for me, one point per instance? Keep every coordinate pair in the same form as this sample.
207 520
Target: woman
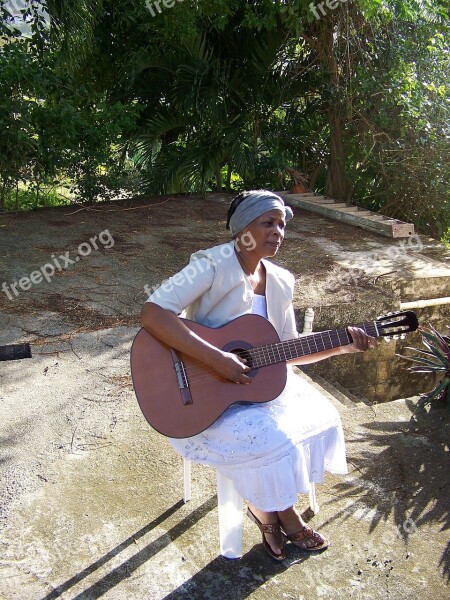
272 451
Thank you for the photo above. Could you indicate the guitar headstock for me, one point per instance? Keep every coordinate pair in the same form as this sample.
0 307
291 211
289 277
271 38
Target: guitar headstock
397 324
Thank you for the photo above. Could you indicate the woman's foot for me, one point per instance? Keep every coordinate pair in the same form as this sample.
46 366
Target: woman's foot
298 532
269 526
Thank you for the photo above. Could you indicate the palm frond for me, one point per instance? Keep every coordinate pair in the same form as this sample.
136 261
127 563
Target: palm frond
72 24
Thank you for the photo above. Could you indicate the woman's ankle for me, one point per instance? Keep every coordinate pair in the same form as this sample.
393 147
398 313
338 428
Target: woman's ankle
267 518
290 520
274 540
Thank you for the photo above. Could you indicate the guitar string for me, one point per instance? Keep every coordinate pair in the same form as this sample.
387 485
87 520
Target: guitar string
275 353
197 374
289 349
201 372
269 351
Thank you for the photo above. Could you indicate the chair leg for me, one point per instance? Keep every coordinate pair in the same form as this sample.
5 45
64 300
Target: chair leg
230 510
314 505
186 480
230 517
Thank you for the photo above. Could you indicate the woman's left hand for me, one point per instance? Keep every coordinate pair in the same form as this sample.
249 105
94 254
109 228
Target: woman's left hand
361 341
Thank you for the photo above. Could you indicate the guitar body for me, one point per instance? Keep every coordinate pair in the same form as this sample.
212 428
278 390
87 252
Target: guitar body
179 414
181 397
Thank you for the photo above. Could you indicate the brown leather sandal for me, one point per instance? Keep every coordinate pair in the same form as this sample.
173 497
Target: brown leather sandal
274 529
307 533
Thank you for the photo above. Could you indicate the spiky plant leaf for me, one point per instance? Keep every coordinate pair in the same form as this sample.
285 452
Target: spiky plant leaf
436 359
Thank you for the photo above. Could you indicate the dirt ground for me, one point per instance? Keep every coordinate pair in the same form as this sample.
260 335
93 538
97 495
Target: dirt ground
90 495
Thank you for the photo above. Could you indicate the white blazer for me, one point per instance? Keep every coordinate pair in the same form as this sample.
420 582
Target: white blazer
213 290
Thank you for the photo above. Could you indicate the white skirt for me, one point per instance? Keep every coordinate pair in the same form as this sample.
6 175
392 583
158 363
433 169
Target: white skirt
275 450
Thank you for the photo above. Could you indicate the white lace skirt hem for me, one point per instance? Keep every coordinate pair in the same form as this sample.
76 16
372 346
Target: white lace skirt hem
275 486
273 451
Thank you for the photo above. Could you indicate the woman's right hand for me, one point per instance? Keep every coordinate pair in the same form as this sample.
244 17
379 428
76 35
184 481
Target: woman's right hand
166 326
231 367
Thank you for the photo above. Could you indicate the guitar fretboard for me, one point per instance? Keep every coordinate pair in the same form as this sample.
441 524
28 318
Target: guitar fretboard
270 354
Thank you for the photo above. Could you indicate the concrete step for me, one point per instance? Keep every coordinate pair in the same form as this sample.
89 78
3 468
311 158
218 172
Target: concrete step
350 214
320 200
352 209
346 208
375 217
338 395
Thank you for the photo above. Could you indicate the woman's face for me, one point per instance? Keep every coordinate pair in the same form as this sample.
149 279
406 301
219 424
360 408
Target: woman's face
265 233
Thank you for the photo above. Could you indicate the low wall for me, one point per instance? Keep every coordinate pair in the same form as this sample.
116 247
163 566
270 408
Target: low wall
378 375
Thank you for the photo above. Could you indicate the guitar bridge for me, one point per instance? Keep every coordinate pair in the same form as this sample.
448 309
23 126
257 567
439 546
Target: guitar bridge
182 379
181 375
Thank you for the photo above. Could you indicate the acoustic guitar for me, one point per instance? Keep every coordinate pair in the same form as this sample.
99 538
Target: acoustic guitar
181 397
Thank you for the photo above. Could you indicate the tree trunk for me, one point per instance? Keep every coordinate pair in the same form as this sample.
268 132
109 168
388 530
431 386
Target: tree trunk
3 195
229 172
17 195
218 178
38 189
336 185
315 176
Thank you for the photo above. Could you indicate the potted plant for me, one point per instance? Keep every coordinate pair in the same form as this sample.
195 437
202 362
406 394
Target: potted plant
435 359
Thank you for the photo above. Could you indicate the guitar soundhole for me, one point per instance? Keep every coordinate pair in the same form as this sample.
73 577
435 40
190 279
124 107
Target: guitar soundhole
245 356
242 350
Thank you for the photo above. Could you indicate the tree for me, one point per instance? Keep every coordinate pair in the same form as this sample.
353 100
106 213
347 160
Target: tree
219 91
54 126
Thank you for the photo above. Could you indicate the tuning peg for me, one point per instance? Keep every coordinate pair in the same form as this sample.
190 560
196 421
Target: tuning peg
402 336
387 338
395 337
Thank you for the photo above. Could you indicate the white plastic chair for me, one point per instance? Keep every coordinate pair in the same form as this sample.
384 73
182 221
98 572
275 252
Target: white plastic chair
230 511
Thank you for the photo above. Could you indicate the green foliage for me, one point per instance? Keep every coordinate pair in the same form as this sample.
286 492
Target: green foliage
224 94
435 360
23 198
202 81
399 150
446 239
56 126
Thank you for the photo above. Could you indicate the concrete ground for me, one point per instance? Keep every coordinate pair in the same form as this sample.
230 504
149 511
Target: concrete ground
90 495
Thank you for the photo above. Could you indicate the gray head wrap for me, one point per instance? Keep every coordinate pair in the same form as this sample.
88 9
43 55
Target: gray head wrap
254 205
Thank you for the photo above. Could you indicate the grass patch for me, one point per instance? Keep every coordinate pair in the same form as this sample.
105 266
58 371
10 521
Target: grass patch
26 198
446 239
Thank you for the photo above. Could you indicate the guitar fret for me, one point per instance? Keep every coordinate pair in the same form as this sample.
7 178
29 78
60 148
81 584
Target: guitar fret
274 348
321 342
292 348
304 345
329 335
316 346
343 337
279 348
272 358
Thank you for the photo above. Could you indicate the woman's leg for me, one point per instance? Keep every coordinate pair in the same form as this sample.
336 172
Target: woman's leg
294 527
268 518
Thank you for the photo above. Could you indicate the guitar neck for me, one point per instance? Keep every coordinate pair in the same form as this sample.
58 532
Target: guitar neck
263 356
